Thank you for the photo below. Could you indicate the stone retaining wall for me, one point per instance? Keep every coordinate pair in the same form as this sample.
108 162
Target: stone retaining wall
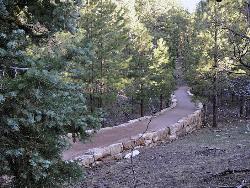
119 150
130 122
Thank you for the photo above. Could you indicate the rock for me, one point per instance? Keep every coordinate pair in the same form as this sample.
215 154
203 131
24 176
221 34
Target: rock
106 129
189 93
115 149
69 135
200 105
167 129
176 127
138 140
90 132
163 133
118 156
181 132
139 119
148 136
123 125
128 144
189 129
132 154
173 137
148 142
85 160
96 163
156 137
98 153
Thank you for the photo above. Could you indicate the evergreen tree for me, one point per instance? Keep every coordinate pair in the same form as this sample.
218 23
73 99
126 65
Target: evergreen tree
211 62
107 34
162 79
39 105
141 53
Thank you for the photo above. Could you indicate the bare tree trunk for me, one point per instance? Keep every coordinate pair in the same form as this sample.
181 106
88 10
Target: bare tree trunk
204 118
91 79
247 108
242 105
232 97
100 101
248 12
215 109
91 103
132 105
161 102
221 97
142 107
74 137
215 88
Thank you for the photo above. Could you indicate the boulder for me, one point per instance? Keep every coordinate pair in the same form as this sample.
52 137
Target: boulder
132 154
148 136
128 144
115 149
138 140
98 153
173 137
118 156
148 142
85 160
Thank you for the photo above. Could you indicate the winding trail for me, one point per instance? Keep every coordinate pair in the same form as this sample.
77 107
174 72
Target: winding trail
107 137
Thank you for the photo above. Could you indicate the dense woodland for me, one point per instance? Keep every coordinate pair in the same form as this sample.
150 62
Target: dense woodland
67 66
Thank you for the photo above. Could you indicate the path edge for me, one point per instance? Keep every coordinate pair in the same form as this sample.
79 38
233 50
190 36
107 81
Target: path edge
117 151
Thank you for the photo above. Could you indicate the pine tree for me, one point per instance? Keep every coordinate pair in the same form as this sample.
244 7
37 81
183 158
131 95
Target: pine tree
213 67
161 76
107 34
141 53
39 104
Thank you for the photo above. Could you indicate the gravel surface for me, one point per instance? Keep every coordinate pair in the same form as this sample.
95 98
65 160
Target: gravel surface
209 158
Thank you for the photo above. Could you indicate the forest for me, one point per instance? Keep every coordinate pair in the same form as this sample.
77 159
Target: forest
70 66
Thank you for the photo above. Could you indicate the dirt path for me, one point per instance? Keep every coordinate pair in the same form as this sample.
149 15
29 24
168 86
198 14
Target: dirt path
207 158
107 137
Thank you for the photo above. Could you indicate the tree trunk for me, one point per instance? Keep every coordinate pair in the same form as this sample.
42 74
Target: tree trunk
247 108
204 118
248 12
142 107
215 110
215 88
161 102
220 102
242 105
101 67
232 97
132 105
100 103
91 103
74 137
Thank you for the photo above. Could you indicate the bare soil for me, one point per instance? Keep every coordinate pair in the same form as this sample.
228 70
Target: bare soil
207 158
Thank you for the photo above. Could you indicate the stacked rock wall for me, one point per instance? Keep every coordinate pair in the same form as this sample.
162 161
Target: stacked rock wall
118 150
